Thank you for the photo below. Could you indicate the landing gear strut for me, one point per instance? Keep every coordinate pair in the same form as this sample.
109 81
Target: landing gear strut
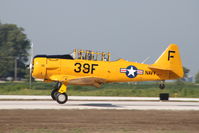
59 93
162 85
55 91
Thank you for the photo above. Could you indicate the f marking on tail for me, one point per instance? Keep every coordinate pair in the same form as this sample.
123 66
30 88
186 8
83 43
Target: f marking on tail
169 54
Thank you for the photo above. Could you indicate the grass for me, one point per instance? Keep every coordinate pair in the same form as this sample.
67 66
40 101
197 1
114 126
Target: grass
113 89
149 90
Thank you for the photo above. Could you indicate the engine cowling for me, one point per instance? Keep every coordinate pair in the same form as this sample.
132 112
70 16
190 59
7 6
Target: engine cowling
39 67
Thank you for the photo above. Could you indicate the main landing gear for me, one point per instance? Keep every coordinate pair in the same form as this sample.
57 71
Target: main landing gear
59 93
162 85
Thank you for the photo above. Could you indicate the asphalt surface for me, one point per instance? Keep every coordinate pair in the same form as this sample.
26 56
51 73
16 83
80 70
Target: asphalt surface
93 104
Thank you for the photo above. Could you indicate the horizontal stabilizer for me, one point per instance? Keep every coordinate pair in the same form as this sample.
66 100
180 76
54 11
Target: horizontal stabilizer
159 68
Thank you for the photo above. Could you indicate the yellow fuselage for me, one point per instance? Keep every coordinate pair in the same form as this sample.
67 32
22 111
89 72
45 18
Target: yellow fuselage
65 69
112 71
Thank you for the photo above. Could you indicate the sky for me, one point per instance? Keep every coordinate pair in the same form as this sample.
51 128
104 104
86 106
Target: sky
129 29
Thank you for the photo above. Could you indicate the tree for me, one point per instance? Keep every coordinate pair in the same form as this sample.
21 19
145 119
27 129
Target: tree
197 77
186 72
14 47
180 82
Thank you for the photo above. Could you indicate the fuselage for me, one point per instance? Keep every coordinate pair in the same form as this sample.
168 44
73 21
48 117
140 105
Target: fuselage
113 71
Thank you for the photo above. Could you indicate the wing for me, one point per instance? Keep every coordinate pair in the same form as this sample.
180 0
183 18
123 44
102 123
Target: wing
72 80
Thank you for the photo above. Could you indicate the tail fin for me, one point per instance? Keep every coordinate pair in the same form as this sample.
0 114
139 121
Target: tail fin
170 60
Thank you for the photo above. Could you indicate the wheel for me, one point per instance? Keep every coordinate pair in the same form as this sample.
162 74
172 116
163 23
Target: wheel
61 98
54 94
162 86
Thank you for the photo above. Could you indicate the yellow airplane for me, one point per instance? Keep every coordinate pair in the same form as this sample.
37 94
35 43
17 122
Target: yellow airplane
94 69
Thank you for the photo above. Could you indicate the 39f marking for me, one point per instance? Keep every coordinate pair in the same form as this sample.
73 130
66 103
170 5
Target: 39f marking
85 68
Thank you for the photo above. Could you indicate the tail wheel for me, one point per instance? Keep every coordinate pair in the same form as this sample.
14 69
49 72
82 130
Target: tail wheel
162 86
61 98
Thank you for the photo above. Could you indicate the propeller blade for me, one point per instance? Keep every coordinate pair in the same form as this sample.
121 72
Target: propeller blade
30 66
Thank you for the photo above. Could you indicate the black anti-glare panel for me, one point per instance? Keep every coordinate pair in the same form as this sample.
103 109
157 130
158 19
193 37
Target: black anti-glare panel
67 56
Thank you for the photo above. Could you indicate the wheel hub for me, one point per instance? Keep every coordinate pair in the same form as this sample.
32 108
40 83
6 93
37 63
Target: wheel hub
62 97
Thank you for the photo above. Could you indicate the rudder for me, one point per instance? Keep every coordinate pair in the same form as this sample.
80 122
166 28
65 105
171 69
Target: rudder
170 60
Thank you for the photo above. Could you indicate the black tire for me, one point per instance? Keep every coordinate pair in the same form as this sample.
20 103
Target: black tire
54 94
162 86
62 98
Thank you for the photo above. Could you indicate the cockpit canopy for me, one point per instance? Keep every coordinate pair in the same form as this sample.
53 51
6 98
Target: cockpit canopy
91 55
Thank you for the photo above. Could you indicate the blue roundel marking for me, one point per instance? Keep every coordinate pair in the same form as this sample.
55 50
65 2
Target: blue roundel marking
131 71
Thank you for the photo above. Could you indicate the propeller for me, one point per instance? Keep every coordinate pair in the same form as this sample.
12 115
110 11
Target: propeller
30 66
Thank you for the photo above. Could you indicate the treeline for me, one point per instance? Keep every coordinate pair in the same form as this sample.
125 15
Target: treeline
14 47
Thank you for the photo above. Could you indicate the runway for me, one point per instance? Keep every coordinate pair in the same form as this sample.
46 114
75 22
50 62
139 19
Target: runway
94 98
101 105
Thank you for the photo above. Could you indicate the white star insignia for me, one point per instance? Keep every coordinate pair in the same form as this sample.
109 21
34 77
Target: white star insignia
131 71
